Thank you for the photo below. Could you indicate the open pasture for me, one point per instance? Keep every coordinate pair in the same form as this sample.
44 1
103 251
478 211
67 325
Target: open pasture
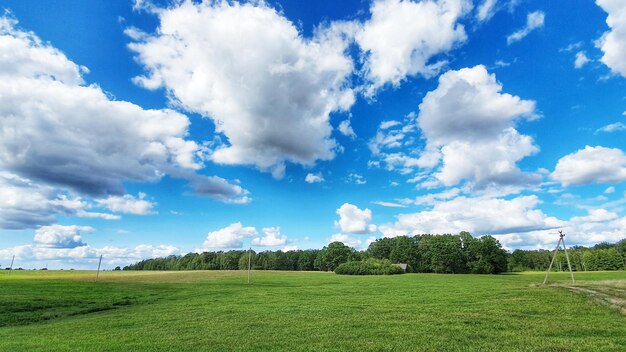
309 311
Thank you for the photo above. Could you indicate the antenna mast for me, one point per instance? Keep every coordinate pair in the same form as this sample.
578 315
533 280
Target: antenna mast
561 240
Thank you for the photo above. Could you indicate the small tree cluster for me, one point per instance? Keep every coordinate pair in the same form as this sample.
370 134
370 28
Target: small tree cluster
369 266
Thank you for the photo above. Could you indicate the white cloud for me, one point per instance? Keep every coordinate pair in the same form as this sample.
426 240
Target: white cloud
432 198
613 42
356 179
346 129
402 36
581 59
486 10
354 220
389 204
230 236
591 165
609 190
128 204
534 20
59 236
613 127
289 248
268 90
24 204
85 256
272 238
596 215
85 141
478 215
351 241
468 123
314 178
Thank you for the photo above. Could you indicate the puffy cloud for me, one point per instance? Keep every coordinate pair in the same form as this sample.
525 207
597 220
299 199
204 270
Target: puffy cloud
591 165
272 238
356 179
479 215
85 141
596 215
314 178
85 256
128 204
598 226
24 204
346 129
581 59
468 123
354 220
59 236
402 36
351 241
534 20
230 236
613 127
268 90
613 42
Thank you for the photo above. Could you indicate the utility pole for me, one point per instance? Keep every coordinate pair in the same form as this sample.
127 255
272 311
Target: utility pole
98 272
561 240
249 263
11 267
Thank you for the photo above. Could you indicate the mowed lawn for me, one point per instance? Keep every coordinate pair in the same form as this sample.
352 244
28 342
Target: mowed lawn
307 311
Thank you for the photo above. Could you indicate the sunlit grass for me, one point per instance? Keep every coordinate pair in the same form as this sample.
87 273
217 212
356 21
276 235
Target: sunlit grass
216 310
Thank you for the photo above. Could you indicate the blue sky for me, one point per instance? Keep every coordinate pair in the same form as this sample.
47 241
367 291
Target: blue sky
149 128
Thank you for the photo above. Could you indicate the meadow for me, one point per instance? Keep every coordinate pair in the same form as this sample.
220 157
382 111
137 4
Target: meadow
309 311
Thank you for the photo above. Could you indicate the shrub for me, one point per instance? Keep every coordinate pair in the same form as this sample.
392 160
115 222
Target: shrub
369 267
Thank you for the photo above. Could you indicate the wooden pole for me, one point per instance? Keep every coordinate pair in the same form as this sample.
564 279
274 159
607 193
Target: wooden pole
249 263
552 262
98 272
11 267
571 273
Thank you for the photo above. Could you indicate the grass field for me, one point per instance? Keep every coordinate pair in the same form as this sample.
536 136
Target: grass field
309 311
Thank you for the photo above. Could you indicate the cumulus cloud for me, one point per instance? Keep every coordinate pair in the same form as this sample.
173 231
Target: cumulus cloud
581 59
351 241
591 165
59 236
128 204
314 178
268 89
478 215
60 132
613 42
86 256
402 37
600 225
354 220
230 236
534 20
25 204
272 237
346 129
356 179
469 124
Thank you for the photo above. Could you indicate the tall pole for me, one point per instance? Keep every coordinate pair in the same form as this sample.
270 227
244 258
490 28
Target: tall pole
11 267
98 272
569 265
552 261
571 273
249 263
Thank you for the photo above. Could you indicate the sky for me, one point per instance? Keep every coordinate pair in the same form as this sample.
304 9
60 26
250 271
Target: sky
138 129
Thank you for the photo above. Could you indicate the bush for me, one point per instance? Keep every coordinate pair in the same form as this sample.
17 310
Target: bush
369 267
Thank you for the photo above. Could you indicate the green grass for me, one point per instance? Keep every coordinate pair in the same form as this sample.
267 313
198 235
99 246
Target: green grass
307 311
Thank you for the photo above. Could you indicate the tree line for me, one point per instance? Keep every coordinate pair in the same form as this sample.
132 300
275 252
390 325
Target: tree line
453 254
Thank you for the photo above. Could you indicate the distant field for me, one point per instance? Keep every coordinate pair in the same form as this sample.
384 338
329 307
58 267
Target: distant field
309 311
